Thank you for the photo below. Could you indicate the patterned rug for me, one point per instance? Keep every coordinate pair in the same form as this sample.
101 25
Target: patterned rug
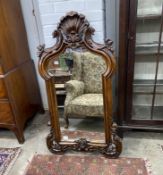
68 134
7 158
86 165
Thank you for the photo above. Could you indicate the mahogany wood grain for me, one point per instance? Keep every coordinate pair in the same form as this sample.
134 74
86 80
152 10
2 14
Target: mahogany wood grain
6 116
19 92
1 70
13 43
3 93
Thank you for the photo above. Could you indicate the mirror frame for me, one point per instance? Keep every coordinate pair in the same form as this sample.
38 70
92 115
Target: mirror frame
74 31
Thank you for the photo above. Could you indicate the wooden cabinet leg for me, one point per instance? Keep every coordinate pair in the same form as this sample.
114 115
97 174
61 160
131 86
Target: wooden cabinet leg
41 110
19 134
67 121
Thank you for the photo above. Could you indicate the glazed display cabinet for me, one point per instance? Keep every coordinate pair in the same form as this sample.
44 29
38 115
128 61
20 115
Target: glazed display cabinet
141 64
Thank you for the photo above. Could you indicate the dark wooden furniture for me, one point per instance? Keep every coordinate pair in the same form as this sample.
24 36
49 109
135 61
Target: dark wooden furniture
19 93
74 32
140 65
59 83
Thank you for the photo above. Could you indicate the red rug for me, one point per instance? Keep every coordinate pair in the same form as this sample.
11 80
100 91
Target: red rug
83 134
85 165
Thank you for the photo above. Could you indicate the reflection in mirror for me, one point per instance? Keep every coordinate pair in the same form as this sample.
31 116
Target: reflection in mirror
78 79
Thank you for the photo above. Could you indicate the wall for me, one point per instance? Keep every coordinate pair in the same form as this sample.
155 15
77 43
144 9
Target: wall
111 16
52 10
35 37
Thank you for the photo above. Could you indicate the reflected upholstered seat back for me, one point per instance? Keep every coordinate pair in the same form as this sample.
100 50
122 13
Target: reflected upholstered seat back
84 91
88 68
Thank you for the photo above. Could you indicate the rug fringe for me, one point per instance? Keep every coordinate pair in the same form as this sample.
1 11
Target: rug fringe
148 166
14 160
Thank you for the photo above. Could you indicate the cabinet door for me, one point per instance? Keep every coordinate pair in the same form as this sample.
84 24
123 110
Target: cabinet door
145 62
13 41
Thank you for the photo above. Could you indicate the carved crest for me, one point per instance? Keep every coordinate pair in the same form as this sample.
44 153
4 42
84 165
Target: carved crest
73 28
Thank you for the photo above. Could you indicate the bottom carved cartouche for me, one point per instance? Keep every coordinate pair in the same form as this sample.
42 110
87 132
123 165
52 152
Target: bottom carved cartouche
110 150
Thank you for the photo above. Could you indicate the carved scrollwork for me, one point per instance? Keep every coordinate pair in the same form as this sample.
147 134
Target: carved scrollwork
82 144
114 148
109 45
111 150
74 31
40 49
73 27
56 147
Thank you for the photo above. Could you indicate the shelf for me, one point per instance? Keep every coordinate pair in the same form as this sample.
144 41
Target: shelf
143 82
60 86
148 49
62 74
146 92
143 51
147 52
61 92
59 72
147 87
60 89
149 16
144 112
149 11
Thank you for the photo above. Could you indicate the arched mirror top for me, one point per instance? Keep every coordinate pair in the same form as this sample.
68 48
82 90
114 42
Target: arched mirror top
74 32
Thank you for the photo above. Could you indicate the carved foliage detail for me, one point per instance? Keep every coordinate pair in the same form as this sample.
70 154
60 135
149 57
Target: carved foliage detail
40 49
72 27
109 45
114 145
82 144
111 150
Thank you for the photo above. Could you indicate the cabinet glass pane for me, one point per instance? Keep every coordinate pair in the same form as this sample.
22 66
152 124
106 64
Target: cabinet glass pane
158 108
145 68
148 24
158 103
142 104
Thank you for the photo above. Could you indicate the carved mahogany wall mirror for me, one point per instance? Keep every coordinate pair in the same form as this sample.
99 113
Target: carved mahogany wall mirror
89 66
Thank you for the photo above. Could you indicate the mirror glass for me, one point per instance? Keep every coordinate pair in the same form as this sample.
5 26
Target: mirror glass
77 75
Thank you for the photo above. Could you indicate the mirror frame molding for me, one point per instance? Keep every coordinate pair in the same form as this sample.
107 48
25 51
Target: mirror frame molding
75 31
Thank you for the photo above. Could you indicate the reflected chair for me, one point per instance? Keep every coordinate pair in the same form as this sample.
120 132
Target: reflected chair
84 95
